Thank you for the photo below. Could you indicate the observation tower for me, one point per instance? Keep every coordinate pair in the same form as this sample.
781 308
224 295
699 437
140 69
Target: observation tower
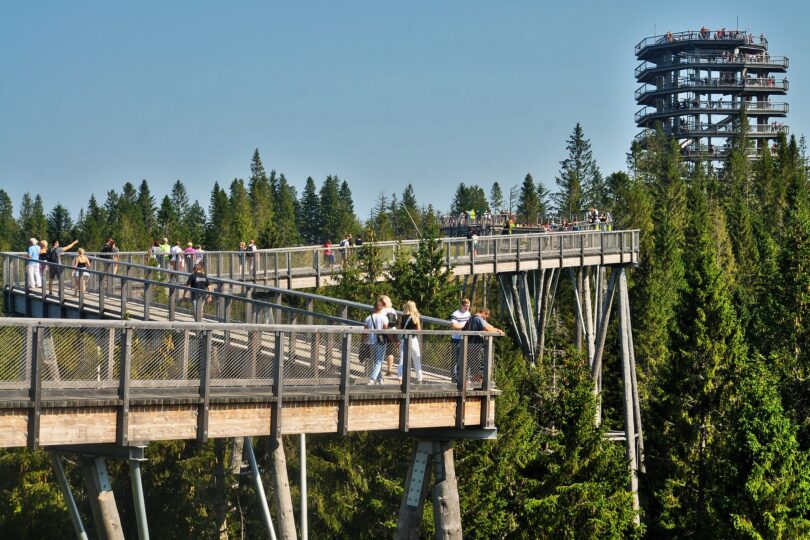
696 83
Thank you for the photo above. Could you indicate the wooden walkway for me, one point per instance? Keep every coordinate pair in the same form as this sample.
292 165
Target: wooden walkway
81 382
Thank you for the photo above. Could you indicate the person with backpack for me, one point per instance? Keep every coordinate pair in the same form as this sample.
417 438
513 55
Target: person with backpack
55 257
392 340
477 345
377 321
458 319
410 321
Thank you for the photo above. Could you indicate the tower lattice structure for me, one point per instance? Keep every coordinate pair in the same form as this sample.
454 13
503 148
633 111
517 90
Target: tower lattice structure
696 83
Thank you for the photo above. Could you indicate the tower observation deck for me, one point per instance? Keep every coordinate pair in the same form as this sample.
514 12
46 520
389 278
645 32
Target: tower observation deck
696 83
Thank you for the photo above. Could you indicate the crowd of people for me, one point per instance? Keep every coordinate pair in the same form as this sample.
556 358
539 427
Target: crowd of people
381 349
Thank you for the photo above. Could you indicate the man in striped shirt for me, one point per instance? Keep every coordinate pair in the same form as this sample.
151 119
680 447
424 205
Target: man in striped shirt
458 319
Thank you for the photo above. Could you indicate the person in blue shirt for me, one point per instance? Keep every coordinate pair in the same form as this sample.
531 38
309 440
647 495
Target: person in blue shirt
32 266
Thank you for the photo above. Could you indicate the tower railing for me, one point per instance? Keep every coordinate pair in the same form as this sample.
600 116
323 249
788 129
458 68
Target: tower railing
740 36
713 83
687 61
712 107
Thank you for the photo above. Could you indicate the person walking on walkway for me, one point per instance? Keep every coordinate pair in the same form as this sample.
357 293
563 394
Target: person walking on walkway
199 282
80 275
477 345
377 321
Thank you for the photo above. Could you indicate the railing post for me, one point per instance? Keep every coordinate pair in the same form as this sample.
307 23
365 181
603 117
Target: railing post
317 264
345 380
461 380
35 390
289 271
582 249
101 295
517 255
601 248
124 296
405 400
205 386
495 255
488 368
147 295
122 420
278 387
172 298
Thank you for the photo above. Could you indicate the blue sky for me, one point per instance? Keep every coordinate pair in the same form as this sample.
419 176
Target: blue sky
382 94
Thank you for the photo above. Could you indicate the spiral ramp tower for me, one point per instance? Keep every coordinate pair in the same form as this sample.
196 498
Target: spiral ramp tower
696 83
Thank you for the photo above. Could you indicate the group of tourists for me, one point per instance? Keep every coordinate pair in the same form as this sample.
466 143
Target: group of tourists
176 257
382 348
44 260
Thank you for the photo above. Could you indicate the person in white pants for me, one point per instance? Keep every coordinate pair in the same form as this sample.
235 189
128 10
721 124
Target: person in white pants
32 266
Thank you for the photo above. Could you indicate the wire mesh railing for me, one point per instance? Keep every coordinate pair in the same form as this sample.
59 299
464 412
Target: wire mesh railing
94 358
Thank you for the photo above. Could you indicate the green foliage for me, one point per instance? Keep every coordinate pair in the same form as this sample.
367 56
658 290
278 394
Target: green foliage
528 204
468 198
579 180
423 280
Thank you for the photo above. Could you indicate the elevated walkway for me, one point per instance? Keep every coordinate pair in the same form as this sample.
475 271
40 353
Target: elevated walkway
124 382
307 266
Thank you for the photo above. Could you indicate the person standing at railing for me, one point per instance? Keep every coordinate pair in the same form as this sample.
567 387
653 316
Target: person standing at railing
458 319
56 258
80 274
477 345
44 257
32 266
410 321
328 255
251 256
377 321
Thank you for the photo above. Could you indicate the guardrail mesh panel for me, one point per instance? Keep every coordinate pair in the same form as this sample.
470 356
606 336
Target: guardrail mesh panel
14 355
78 355
165 355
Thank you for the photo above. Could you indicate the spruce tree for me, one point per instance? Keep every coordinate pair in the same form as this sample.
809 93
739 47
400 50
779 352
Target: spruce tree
577 177
286 210
240 217
8 225
496 198
146 205
528 204
261 200
217 233
309 214
60 225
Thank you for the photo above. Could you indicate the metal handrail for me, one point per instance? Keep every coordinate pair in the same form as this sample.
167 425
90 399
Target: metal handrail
688 107
713 83
669 38
121 363
686 61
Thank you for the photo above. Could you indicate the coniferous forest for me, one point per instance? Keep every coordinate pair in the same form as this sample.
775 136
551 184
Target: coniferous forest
721 317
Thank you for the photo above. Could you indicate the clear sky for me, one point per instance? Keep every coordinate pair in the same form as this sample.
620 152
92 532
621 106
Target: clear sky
382 94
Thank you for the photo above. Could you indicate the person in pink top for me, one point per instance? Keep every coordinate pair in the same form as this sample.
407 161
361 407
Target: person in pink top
189 251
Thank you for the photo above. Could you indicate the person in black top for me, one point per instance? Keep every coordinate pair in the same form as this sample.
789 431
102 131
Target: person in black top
198 281
477 344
